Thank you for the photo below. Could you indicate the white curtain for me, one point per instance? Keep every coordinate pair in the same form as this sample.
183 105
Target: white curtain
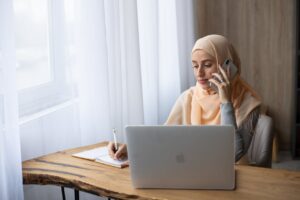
10 153
137 54
127 61
109 85
166 36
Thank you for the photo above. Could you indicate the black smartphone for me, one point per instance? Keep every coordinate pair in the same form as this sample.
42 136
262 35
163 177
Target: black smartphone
228 64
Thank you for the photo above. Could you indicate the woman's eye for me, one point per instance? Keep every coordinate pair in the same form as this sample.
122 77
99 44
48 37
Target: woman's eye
195 66
207 65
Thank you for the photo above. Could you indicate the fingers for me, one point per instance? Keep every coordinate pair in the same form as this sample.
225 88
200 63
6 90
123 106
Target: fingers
225 74
121 153
223 84
123 156
218 77
218 84
111 149
219 80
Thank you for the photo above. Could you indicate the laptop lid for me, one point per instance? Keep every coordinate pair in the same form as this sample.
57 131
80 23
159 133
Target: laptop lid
186 157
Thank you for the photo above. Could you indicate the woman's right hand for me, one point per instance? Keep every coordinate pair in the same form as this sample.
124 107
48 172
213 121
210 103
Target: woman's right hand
223 83
120 154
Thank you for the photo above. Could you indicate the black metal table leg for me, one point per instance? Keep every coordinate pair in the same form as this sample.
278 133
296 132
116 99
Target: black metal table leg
63 193
76 193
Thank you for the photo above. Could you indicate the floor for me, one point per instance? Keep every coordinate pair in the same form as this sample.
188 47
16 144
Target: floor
285 161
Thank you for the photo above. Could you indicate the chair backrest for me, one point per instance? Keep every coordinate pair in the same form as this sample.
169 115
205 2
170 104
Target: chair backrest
260 149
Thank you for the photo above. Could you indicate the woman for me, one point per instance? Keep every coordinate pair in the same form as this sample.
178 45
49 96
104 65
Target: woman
233 102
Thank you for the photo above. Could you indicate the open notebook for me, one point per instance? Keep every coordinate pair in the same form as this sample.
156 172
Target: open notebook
101 155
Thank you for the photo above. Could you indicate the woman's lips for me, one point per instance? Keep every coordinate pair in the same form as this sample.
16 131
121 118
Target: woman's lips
202 81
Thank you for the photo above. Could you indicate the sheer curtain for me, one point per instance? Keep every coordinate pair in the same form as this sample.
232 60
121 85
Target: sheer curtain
133 58
166 36
127 62
10 154
107 54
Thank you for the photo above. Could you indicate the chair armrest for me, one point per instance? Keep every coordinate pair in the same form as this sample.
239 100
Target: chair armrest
260 150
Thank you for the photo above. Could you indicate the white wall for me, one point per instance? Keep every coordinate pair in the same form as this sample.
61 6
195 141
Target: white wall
36 140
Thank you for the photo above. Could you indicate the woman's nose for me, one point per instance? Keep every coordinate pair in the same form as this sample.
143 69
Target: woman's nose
200 72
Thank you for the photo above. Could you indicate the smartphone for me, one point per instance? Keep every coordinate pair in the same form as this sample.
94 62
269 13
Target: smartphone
232 69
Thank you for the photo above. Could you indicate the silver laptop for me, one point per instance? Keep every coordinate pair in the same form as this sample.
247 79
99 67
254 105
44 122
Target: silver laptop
181 157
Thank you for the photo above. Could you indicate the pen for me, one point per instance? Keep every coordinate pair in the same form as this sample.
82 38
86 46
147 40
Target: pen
115 139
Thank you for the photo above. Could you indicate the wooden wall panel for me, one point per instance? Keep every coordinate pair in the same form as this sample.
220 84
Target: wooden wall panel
263 32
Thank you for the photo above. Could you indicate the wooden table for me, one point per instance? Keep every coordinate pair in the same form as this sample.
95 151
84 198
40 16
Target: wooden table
64 170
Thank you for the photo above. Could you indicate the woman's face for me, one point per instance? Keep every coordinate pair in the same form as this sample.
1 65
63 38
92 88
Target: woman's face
203 65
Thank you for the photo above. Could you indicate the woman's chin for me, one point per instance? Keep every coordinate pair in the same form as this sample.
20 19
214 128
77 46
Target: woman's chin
204 86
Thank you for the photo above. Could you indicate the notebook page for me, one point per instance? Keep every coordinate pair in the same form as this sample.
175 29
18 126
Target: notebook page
106 159
92 154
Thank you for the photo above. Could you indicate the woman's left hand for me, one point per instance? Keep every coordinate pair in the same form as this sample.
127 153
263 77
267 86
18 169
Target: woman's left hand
221 80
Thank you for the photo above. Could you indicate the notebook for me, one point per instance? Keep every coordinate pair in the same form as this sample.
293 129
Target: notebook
181 157
101 155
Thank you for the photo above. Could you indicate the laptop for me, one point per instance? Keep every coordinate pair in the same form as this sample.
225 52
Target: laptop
181 157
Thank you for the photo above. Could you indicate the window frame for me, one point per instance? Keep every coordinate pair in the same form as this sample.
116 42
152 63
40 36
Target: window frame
58 90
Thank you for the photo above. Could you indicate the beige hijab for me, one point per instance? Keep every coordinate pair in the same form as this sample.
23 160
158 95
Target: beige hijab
198 106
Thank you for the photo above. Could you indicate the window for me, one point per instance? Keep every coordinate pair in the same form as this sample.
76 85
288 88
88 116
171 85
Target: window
41 54
32 43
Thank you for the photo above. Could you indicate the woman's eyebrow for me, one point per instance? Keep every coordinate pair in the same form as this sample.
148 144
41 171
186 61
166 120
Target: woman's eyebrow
208 59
